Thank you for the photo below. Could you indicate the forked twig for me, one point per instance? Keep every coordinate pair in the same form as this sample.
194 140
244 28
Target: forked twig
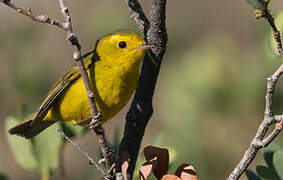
260 141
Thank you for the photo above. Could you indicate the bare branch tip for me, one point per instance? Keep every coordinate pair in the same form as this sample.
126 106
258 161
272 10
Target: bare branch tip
258 14
102 160
269 78
29 11
65 10
76 56
278 126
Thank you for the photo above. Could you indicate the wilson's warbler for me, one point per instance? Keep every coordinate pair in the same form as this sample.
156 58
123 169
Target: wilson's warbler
112 67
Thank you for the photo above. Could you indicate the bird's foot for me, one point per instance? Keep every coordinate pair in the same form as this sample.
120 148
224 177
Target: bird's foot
95 121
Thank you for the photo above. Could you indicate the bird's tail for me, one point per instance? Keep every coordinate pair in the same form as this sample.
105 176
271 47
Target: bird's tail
27 130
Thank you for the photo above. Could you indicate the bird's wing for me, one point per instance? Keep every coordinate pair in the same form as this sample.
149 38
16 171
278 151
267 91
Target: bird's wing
59 87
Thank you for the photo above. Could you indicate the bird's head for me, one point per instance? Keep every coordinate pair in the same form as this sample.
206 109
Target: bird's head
123 47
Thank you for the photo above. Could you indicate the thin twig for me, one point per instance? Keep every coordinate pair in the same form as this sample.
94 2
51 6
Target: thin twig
260 141
90 159
96 116
71 36
276 34
141 108
30 14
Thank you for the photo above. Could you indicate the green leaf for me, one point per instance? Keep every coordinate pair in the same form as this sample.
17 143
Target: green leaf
266 172
278 163
259 4
47 147
3 177
22 148
268 153
251 175
72 130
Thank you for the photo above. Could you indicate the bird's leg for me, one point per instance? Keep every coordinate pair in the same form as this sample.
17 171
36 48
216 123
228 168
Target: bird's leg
84 121
91 122
107 150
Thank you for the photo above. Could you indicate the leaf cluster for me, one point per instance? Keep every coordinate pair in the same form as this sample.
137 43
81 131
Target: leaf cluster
273 156
40 153
259 4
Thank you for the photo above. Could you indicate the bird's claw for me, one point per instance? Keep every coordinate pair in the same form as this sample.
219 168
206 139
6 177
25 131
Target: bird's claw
95 121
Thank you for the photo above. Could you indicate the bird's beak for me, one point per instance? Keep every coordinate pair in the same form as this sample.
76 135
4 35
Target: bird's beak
145 46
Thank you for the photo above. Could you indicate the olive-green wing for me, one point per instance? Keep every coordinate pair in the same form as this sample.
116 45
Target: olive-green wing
59 87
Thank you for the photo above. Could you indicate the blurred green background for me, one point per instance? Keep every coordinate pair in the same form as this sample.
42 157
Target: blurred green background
209 99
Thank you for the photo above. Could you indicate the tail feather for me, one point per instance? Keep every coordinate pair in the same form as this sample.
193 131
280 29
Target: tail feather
27 130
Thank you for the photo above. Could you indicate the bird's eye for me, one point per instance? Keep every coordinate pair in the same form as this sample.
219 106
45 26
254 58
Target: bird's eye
122 44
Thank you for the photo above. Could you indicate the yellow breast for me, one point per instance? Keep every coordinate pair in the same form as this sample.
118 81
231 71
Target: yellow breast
112 87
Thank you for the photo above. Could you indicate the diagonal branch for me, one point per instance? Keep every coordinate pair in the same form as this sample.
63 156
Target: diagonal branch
71 36
260 141
31 15
90 159
141 108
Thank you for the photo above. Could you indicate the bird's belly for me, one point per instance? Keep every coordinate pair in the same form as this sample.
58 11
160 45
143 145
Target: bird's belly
110 97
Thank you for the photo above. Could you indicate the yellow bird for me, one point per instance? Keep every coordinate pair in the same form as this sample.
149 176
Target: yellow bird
113 70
